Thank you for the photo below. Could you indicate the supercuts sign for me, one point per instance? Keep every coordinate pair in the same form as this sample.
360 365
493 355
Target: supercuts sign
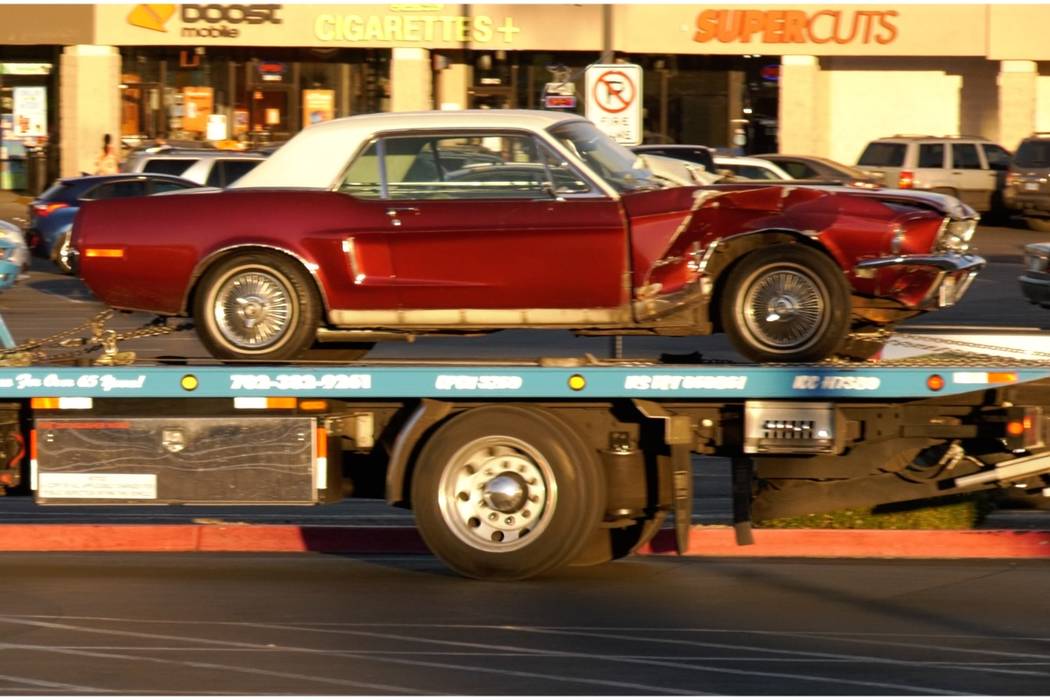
842 26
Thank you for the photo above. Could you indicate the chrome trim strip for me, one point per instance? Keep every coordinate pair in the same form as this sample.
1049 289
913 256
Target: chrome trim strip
478 318
951 263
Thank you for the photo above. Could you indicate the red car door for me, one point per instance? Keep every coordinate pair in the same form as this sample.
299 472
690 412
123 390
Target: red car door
478 223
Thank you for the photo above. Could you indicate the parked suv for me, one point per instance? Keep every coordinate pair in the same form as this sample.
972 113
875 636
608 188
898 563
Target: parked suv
1027 190
204 166
968 167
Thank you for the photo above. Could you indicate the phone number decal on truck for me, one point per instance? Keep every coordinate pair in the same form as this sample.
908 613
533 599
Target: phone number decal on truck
300 382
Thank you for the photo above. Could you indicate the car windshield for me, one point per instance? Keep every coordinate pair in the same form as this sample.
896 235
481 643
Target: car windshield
1033 154
618 166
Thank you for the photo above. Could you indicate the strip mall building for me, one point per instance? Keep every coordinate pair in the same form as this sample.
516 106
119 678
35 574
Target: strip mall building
818 79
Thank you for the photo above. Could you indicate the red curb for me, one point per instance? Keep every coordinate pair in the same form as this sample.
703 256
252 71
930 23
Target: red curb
915 544
703 541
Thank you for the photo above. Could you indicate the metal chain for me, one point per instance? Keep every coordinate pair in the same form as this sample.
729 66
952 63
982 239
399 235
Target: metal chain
35 351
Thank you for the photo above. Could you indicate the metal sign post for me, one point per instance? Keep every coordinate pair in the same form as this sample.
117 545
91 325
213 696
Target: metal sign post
614 100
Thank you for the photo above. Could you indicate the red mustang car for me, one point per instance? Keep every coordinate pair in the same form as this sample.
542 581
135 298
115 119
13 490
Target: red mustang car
378 226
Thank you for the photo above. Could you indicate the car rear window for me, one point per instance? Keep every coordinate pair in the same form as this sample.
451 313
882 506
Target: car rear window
60 192
1033 154
168 166
886 155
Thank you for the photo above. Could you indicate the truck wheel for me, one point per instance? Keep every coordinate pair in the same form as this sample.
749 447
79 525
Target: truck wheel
60 254
506 493
786 303
257 306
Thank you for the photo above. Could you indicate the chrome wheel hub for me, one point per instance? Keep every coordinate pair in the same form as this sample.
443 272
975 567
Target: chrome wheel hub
497 494
784 308
253 309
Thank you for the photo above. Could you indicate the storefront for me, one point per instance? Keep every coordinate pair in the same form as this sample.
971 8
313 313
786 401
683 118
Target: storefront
801 78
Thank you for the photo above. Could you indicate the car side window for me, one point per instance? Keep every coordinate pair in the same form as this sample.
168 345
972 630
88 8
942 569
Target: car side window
464 166
998 157
798 170
931 155
111 190
226 172
964 156
168 186
168 166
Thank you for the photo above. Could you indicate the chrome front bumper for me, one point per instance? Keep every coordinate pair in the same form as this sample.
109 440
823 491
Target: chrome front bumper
954 273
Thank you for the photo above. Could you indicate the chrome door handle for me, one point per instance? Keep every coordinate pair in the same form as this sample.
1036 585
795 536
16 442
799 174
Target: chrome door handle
395 211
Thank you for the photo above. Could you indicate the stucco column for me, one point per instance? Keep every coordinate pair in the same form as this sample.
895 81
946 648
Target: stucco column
453 86
89 105
798 118
1017 100
410 80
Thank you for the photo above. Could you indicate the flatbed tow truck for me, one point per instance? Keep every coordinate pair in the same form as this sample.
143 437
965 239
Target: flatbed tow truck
515 468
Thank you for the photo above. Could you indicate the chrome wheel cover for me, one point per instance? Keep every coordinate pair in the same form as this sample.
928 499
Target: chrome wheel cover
252 309
783 307
497 494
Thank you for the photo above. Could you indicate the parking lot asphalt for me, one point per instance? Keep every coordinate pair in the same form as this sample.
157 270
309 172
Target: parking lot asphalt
371 526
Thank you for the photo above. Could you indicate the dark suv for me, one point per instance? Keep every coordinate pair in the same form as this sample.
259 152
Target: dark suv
1027 190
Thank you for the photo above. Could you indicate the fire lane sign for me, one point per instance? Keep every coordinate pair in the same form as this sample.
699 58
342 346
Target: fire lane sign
614 100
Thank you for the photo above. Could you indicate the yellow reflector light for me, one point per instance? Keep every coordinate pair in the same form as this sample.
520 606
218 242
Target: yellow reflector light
189 382
313 405
1002 377
577 382
104 253
64 403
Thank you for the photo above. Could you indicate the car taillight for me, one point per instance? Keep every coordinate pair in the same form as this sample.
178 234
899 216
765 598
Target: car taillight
45 209
906 180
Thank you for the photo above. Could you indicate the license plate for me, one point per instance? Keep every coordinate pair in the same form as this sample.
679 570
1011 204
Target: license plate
1031 186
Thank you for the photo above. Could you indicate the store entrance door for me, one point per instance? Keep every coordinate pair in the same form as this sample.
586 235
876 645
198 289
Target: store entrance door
270 114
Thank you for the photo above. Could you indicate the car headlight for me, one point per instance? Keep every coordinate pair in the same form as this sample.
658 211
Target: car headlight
955 234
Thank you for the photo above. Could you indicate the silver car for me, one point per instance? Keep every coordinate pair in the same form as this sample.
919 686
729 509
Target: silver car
968 167
210 167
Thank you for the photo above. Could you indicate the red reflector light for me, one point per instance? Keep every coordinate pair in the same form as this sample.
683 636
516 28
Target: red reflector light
104 253
45 209
906 180
935 382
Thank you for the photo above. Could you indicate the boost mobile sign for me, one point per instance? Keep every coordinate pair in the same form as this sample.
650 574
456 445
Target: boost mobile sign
614 100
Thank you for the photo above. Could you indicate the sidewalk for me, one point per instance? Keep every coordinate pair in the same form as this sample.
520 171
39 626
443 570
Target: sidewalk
13 206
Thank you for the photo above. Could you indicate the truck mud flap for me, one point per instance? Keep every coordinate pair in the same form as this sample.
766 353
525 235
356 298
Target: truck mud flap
251 460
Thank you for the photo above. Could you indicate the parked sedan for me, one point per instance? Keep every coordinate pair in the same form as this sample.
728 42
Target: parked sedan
51 214
815 168
355 231
745 169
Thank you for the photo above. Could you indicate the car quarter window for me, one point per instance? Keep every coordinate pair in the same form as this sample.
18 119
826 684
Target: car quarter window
461 166
964 156
931 155
168 186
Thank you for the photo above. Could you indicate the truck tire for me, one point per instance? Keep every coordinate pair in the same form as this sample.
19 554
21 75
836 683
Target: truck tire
786 303
257 306
506 493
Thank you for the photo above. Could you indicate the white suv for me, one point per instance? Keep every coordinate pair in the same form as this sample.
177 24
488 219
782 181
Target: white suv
209 167
970 168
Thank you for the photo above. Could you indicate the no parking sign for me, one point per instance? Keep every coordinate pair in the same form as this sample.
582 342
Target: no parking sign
614 100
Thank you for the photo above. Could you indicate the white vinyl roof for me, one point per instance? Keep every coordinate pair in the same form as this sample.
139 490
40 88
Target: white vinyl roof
317 155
